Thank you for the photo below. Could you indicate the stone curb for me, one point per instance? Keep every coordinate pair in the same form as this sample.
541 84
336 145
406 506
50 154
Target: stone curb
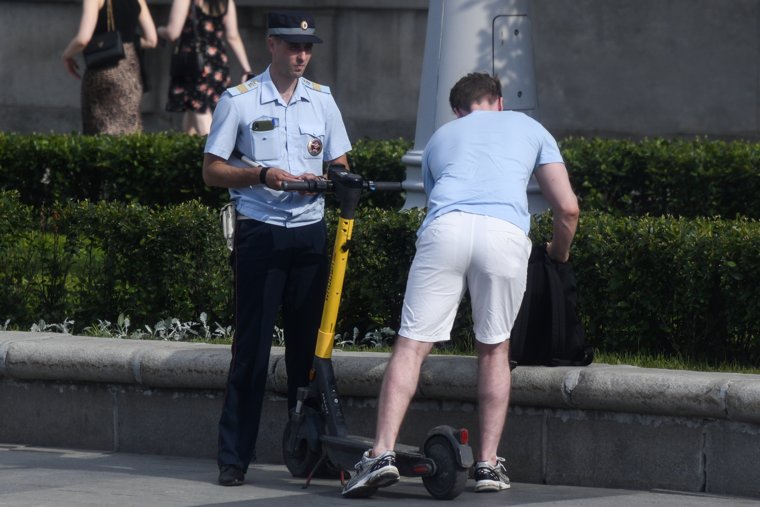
180 365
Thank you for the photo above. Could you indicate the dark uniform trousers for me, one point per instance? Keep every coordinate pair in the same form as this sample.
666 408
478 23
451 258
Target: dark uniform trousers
275 268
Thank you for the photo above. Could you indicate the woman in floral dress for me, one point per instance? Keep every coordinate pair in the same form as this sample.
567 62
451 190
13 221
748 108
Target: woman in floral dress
216 22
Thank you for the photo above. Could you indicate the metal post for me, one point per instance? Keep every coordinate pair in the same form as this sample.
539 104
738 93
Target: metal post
465 36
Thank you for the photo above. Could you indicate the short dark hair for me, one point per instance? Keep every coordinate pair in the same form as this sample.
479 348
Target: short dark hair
474 87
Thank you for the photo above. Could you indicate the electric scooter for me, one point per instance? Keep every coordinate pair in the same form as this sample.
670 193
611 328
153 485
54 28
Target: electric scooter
316 435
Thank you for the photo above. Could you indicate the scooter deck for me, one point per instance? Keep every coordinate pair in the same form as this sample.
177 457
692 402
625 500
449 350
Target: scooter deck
363 443
346 451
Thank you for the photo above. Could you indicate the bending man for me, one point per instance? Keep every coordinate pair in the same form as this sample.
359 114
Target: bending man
475 236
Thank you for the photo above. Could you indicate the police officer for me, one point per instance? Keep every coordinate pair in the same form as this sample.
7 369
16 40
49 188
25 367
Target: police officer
290 126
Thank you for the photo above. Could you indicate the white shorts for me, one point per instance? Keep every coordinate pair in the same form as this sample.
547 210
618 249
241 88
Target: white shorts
459 251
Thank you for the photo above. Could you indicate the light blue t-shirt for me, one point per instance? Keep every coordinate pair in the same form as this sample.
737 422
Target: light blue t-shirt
305 132
481 164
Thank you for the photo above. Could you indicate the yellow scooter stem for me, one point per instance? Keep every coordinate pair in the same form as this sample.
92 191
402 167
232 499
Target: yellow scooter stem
326 334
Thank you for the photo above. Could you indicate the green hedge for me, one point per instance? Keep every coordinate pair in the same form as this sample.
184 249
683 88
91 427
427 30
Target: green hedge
86 262
142 168
687 178
149 169
655 285
651 285
688 287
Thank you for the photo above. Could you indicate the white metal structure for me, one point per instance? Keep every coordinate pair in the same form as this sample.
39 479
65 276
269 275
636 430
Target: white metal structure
465 36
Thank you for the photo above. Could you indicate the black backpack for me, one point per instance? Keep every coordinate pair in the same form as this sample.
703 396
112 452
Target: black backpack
547 330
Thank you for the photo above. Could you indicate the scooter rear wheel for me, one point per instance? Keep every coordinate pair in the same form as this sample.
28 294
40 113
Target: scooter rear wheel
450 478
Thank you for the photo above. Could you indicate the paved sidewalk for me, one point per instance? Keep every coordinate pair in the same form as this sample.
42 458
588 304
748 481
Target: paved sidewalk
39 477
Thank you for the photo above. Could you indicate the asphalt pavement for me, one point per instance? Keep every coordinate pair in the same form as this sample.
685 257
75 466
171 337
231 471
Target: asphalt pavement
41 477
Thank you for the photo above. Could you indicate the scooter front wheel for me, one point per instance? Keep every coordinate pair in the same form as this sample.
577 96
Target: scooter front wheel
299 457
450 478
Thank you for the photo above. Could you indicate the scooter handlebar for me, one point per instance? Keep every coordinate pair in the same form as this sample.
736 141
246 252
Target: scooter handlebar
384 186
322 185
329 186
308 185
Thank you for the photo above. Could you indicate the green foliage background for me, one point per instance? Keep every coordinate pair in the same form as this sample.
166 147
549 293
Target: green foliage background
666 253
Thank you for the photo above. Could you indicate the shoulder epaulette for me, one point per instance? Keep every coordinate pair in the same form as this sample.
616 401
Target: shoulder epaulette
315 86
243 87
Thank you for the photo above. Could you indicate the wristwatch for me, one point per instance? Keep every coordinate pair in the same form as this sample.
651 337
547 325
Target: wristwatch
263 175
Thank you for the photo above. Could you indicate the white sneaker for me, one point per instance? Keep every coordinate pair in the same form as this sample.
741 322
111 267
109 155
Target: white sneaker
491 478
372 473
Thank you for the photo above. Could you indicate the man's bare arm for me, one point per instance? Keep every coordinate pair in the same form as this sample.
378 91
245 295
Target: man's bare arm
555 186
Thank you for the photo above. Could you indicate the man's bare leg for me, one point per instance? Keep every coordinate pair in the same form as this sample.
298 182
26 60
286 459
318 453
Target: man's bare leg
398 388
377 467
494 383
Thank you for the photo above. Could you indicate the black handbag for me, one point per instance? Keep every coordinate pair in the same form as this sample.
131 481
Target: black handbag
104 48
188 62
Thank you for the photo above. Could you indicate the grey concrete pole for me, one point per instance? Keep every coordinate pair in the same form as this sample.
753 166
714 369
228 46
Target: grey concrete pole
465 36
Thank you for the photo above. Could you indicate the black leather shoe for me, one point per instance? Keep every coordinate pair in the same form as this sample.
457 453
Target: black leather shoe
231 475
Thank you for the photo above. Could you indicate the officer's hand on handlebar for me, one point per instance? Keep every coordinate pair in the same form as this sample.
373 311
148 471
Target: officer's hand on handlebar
276 176
304 184
309 177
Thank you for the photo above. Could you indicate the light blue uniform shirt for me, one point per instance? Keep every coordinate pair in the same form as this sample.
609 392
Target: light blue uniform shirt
481 164
307 131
